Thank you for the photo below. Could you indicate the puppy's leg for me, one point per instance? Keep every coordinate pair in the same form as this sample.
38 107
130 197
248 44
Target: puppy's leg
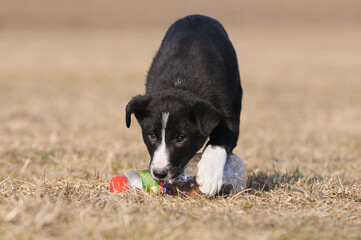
211 166
210 169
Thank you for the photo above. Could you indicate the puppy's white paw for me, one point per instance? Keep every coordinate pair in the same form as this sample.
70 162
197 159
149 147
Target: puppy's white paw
210 170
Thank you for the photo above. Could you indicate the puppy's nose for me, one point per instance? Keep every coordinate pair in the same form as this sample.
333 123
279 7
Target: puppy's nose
159 173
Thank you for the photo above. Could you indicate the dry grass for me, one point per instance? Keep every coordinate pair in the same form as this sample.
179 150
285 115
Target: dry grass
63 136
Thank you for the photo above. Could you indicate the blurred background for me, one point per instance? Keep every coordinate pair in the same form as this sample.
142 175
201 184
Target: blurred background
126 14
68 68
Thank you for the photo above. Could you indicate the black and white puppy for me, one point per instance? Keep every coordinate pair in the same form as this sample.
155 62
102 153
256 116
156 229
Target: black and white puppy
193 92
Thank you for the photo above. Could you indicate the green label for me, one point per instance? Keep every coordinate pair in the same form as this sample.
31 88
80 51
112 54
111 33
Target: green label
149 184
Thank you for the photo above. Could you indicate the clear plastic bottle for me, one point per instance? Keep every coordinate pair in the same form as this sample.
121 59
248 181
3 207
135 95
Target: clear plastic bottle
234 176
234 179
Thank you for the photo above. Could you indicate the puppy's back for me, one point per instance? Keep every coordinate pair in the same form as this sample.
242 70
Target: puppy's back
196 55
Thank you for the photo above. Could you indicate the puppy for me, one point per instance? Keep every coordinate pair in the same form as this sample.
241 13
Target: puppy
193 93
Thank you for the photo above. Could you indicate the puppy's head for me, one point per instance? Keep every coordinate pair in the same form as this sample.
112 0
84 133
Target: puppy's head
173 129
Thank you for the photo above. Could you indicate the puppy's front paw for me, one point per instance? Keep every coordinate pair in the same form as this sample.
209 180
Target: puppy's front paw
210 170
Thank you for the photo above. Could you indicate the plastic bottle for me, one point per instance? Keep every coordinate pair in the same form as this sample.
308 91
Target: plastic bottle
234 179
138 179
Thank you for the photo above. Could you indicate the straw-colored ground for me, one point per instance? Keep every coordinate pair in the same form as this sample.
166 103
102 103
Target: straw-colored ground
63 136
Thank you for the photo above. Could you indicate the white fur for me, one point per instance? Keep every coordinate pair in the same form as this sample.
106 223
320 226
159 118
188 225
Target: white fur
178 82
161 155
210 170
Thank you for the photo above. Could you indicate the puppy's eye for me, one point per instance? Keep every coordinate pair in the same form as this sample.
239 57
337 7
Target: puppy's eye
152 137
180 138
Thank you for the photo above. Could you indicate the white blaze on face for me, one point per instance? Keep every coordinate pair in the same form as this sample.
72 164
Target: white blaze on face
161 155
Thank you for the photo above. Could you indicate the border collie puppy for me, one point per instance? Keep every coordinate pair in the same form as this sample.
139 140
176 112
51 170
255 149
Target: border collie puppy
193 93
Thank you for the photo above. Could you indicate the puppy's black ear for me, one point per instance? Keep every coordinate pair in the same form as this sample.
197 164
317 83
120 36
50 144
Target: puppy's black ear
207 117
138 106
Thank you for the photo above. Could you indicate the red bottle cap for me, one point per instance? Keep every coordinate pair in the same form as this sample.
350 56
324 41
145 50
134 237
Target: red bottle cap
119 184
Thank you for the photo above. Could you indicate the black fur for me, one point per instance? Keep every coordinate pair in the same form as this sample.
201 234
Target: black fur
194 76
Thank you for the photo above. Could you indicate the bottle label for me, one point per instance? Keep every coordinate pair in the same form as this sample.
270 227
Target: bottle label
151 185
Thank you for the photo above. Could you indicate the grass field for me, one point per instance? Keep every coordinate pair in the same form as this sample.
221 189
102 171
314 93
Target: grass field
63 136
